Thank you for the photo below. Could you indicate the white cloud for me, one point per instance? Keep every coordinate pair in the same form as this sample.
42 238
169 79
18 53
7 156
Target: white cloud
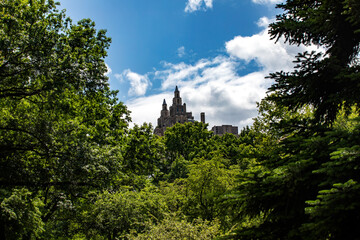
267 1
214 85
208 3
264 22
195 5
270 56
147 109
139 83
211 86
175 74
181 51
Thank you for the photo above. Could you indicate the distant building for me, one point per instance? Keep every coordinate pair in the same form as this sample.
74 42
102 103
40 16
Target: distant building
221 130
176 114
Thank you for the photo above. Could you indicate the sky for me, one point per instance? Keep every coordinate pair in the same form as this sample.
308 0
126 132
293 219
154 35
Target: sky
218 53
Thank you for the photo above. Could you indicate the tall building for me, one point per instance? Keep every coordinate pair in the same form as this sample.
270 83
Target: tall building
221 130
176 114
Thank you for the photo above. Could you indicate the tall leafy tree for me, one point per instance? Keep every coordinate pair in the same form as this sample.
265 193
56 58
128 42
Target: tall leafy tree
328 83
325 81
41 50
334 213
294 189
61 127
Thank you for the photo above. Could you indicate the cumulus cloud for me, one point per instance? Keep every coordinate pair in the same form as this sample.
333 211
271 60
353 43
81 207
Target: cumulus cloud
147 109
270 56
139 83
195 5
267 1
211 86
214 85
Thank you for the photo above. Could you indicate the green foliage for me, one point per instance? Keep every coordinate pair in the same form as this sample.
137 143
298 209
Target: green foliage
183 143
207 182
280 178
188 140
174 194
21 216
328 81
228 146
143 156
306 145
352 10
335 212
60 125
173 228
71 169
43 51
115 215
55 129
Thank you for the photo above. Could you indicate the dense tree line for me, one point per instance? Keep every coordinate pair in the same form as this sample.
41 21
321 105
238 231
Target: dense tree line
72 168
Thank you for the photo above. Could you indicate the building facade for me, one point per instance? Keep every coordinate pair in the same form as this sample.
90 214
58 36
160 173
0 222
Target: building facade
221 130
176 114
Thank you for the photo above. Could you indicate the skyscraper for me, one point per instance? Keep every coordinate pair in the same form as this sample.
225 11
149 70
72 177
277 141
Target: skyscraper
176 114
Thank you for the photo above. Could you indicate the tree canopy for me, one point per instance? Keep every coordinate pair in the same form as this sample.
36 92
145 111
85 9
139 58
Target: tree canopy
71 167
60 125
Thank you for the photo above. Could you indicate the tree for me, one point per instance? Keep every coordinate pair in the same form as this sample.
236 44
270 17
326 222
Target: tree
23 215
188 140
334 213
183 143
61 127
228 147
305 185
143 154
116 215
205 187
277 178
327 81
41 50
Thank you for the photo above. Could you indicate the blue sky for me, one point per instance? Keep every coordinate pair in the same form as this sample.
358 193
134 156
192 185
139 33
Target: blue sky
217 51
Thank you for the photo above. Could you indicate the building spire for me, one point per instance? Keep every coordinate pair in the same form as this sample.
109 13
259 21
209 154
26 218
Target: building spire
164 102
177 98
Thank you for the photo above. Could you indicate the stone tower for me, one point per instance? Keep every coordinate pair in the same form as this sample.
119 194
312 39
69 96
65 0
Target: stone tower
176 114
